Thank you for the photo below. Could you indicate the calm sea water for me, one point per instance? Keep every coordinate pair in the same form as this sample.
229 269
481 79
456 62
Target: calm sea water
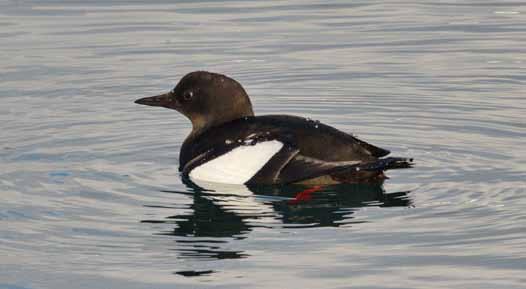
90 195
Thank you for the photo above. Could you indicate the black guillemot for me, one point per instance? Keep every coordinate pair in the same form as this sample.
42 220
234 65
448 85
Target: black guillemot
228 144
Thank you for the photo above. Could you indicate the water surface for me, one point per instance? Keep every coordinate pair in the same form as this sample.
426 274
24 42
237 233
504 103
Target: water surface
90 195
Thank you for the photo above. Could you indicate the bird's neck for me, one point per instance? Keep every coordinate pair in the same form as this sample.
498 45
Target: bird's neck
202 123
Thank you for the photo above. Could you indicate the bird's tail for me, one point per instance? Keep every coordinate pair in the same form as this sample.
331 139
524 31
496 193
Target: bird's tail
388 164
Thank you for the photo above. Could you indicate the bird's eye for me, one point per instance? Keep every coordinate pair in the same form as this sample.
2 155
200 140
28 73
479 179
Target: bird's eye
188 95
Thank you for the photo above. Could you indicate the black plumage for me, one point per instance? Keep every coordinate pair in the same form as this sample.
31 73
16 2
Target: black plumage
312 152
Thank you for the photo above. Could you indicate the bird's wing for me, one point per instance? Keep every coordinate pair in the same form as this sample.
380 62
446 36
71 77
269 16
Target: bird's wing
301 167
264 158
374 150
256 158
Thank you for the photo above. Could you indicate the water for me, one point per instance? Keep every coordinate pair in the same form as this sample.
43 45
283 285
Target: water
90 193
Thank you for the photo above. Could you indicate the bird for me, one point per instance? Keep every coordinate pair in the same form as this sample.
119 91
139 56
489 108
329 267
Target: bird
229 144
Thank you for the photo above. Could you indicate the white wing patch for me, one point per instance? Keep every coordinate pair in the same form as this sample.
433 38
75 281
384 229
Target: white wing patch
238 165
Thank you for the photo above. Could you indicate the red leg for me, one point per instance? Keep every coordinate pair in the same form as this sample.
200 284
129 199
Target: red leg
305 195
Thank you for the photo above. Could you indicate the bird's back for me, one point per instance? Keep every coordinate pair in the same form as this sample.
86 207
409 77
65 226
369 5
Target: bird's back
318 140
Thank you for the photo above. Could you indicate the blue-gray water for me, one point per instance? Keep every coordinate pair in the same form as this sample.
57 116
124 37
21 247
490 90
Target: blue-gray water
90 196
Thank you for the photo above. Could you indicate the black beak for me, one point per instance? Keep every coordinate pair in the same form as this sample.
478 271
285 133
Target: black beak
164 100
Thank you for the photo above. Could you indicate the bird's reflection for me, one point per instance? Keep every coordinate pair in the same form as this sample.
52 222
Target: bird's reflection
221 215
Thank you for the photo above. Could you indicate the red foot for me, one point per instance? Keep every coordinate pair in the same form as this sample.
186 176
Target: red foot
304 196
